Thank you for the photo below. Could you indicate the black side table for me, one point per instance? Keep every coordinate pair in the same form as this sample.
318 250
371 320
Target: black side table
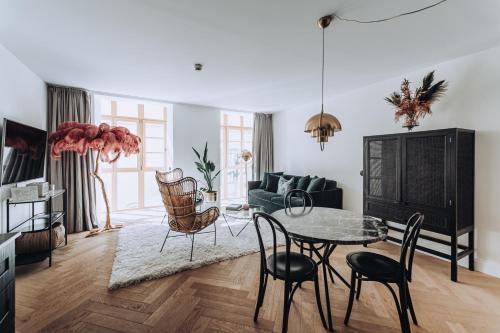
49 217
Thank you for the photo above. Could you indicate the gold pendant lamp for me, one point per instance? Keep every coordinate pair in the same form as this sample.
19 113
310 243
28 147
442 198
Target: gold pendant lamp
323 125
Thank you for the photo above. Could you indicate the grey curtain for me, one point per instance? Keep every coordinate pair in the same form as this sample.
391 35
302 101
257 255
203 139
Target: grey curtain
72 172
263 154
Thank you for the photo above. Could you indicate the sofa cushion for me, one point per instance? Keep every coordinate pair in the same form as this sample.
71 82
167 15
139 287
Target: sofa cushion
303 183
285 185
272 183
263 184
263 194
316 184
295 201
330 184
278 199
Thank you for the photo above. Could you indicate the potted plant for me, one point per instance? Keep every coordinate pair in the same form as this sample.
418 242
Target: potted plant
207 169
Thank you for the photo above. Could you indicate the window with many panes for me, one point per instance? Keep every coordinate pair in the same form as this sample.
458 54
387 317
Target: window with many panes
131 180
236 136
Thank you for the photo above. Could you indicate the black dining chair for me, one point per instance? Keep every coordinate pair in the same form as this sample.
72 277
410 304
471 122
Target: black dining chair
291 267
369 266
305 201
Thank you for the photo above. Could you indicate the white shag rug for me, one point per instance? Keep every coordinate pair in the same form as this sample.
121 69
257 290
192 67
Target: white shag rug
138 256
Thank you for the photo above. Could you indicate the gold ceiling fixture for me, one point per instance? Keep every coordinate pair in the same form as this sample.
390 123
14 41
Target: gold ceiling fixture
323 125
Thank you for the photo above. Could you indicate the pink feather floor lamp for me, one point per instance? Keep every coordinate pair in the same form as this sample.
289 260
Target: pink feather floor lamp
110 142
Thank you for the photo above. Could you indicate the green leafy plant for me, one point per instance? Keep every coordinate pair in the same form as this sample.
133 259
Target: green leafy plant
207 169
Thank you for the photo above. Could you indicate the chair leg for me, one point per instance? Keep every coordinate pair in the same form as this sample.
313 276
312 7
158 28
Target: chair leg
286 307
301 248
163 219
165 240
260 295
215 233
358 289
405 323
410 305
318 301
351 297
293 291
404 328
192 245
264 290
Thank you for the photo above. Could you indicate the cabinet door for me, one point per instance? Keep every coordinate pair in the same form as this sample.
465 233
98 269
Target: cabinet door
425 176
382 168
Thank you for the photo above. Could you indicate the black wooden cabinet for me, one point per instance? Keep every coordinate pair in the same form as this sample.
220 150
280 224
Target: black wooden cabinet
431 172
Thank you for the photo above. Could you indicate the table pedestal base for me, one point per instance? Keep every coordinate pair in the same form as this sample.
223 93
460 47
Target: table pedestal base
324 261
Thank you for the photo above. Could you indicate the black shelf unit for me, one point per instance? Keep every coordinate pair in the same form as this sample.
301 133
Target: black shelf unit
33 225
431 172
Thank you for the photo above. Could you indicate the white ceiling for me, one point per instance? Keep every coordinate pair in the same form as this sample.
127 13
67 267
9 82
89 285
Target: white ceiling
258 54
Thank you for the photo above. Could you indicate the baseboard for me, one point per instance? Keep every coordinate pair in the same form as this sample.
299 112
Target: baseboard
488 266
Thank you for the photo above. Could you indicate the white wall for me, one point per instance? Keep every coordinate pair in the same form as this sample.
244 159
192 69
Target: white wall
472 101
193 126
23 99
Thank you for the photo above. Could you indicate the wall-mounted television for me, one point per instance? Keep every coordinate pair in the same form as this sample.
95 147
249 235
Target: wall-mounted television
22 152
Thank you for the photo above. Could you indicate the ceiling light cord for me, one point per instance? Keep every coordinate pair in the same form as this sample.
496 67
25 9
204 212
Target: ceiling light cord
389 18
323 71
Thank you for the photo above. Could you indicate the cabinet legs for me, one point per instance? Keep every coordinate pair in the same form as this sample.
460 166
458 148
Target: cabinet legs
471 246
454 258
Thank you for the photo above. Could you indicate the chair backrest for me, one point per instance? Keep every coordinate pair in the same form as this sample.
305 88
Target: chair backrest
307 202
409 243
179 199
274 225
169 176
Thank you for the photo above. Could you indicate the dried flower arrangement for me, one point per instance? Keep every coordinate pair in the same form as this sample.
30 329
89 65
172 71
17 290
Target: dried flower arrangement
415 106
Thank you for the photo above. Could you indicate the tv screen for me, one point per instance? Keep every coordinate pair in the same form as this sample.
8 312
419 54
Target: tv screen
23 152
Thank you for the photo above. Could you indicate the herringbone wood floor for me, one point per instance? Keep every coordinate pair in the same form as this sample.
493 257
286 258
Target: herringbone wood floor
72 296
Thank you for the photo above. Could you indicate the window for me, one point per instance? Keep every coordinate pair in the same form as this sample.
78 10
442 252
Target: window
130 181
236 135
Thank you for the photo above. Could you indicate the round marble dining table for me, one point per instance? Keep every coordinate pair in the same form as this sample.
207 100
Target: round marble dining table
326 228
330 225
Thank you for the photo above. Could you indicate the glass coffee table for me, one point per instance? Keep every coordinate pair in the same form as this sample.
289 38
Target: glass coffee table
240 215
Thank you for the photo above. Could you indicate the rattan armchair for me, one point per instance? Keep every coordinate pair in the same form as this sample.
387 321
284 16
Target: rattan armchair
179 198
172 176
169 176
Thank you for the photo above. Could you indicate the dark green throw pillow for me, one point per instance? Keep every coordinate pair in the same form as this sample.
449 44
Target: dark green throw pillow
272 183
303 183
263 184
316 184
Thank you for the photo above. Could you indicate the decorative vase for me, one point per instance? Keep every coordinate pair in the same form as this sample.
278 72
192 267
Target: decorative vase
210 196
410 123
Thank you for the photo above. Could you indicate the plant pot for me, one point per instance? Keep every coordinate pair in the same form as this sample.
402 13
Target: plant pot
210 196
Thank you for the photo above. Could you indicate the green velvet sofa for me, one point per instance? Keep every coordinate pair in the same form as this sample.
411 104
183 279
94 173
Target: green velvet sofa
329 196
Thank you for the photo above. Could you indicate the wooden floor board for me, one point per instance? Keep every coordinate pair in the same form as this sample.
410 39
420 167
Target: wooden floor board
72 296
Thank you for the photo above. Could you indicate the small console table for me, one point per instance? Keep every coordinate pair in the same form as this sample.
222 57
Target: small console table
32 224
